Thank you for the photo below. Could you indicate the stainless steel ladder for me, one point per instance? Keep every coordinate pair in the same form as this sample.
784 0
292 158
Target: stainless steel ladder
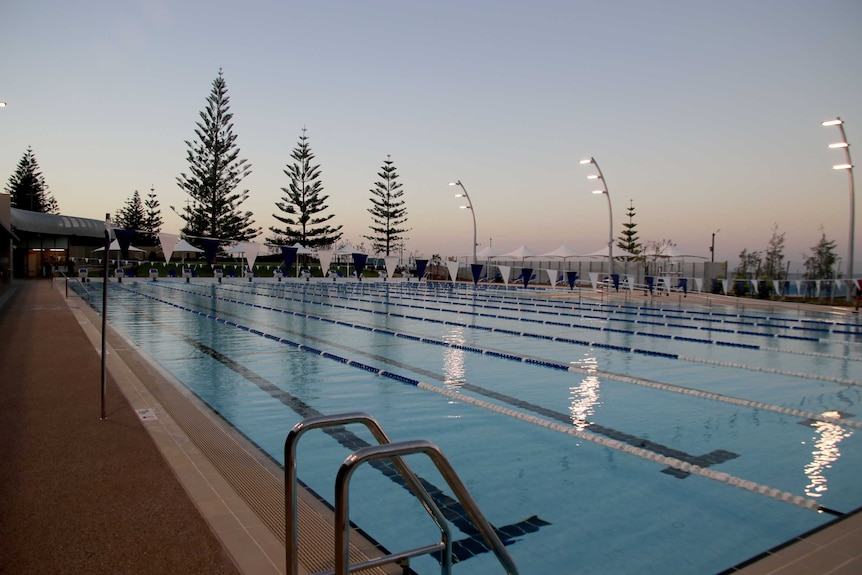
385 449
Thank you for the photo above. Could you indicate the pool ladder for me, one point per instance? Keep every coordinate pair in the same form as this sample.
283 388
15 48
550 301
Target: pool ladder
385 449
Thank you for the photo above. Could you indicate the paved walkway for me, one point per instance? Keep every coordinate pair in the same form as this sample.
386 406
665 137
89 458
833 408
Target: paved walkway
78 494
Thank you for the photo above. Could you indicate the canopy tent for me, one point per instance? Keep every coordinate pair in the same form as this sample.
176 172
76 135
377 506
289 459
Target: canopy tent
677 252
171 244
354 256
617 253
564 251
247 250
521 252
186 247
301 249
115 247
487 252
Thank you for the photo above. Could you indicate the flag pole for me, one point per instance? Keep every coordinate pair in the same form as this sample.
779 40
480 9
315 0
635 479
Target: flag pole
105 306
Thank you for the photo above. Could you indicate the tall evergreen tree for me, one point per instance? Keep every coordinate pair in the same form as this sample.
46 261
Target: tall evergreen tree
28 188
152 220
303 203
387 211
215 172
628 239
132 215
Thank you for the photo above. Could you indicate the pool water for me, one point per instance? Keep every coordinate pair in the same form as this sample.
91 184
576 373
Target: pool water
627 438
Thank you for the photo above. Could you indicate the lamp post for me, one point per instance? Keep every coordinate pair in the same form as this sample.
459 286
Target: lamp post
607 194
712 247
469 206
849 167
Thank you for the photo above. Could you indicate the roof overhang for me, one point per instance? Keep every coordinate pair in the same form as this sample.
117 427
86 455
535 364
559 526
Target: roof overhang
57 225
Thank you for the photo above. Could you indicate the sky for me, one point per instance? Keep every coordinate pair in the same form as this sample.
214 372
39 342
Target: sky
705 116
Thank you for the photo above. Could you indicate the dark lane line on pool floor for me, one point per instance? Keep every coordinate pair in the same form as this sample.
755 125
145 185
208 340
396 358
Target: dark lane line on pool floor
710 459
567 429
473 544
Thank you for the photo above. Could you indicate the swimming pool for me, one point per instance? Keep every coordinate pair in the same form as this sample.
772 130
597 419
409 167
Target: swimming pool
632 437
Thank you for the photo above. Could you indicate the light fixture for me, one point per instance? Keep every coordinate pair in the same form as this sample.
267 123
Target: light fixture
469 206
848 166
601 177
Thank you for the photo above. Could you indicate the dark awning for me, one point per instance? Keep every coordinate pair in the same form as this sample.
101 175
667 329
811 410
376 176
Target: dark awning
53 224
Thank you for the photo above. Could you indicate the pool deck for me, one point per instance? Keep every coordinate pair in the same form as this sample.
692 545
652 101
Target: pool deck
140 491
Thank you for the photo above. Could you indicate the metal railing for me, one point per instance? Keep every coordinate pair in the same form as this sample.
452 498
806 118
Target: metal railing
384 450
67 278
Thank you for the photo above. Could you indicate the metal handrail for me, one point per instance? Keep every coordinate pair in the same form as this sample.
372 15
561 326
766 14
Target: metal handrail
392 450
83 287
290 492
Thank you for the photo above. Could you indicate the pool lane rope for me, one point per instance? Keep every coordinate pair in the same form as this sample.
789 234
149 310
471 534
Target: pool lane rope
585 343
564 366
573 431
571 313
673 462
819 326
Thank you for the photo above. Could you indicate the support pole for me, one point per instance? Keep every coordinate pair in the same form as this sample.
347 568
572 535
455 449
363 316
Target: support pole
105 308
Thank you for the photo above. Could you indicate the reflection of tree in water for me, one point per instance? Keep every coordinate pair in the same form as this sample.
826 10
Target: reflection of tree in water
585 396
829 435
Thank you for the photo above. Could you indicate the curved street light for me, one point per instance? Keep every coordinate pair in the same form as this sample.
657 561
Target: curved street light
607 194
469 206
849 167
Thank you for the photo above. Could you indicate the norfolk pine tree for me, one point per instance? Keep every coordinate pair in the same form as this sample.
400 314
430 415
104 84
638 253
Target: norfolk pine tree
215 172
629 240
28 188
387 211
132 215
142 216
152 220
302 203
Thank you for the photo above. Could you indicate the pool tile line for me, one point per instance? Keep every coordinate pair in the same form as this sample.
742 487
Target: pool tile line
683 466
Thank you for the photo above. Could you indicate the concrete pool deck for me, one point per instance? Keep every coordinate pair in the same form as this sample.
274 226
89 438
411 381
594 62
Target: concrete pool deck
134 493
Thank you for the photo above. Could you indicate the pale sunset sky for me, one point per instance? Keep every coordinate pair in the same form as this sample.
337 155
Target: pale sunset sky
704 114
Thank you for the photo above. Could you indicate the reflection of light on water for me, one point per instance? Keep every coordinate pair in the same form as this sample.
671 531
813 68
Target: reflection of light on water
825 452
453 360
584 397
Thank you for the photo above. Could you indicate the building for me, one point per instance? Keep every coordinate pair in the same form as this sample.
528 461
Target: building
41 242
